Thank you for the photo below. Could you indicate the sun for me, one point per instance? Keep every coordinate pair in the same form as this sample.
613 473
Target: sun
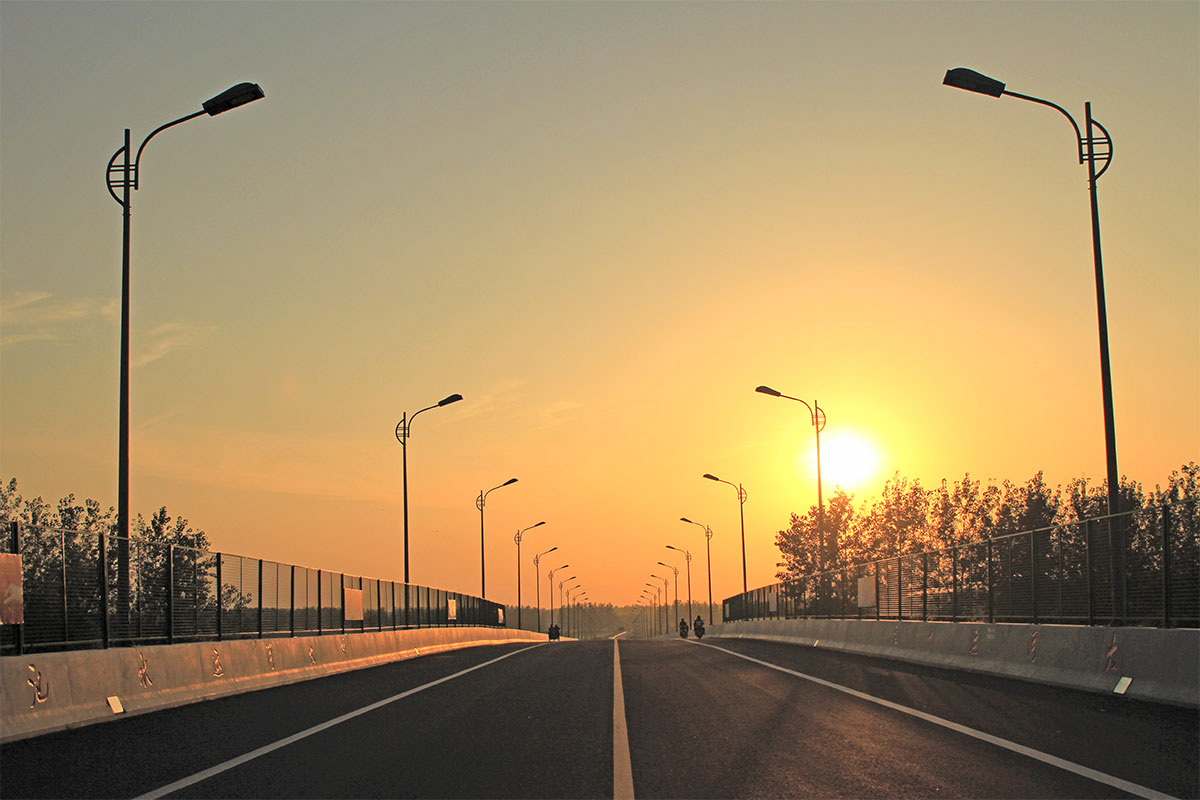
849 460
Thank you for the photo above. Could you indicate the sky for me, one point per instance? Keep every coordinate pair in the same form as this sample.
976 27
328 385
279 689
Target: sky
603 224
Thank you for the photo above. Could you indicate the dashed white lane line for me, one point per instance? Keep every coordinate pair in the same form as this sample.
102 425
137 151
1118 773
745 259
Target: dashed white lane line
162 791
622 768
1038 755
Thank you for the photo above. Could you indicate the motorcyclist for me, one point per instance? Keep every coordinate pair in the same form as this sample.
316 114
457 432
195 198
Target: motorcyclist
698 627
683 628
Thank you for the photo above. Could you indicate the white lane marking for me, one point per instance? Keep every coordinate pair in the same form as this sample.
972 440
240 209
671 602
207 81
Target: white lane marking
622 768
1038 755
162 791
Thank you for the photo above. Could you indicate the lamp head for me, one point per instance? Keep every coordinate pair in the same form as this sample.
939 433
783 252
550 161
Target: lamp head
454 398
509 482
768 390
972 81
233 97
710 477
685 519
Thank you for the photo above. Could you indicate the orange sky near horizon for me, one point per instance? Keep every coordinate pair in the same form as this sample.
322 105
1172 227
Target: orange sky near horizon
604 225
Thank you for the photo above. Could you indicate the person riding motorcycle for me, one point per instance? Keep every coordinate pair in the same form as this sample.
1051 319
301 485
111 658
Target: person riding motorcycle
698 627
683 628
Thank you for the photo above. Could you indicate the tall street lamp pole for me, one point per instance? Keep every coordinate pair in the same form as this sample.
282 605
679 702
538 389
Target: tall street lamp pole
665 592
817 416
480 502
708 546
579 601
520 534
1090 150
125 176
741 493
675 570
655 598
567 608
562 610
550 588
403 431
687 557
537 583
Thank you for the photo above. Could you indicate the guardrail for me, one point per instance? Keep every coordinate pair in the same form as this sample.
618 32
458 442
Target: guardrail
84 589
1136 568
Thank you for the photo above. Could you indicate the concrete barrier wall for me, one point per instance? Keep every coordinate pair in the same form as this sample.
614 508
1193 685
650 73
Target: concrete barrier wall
1162 664
53 691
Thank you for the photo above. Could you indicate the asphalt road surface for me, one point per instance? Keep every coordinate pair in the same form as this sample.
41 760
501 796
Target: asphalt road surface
722 718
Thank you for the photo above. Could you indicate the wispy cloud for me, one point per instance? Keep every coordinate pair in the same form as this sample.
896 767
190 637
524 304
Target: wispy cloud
558 413
168 337
35 316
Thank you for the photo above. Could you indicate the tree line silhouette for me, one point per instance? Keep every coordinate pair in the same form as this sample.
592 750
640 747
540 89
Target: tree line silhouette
911 518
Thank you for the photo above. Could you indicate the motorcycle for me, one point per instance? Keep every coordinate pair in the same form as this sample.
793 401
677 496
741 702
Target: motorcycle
698 629
683 630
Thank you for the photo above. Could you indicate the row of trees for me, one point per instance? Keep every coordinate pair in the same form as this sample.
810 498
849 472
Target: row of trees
90 517
910 518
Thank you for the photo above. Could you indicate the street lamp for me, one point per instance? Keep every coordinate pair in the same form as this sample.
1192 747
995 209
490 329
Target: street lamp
708 546
125 176
550 588
688 558
517 539
403 431
741 493
480 502
561 610
537 583
651 595
675 570
817 416
666 589
567 608
1090 149
579 601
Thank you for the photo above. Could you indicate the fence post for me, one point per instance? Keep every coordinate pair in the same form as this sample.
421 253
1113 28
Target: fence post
991 608
170 594
899 589
343 591
260 598
62 549
292 603
1166 565
320 606
876 571
1033 573
954 584
103 568
925 586
16 548
220 601
1091 590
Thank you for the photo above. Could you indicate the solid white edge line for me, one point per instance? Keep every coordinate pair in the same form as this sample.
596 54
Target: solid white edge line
1037 755
162 791
622 767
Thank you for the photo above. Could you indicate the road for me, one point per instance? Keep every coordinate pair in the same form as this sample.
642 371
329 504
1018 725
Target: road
722 718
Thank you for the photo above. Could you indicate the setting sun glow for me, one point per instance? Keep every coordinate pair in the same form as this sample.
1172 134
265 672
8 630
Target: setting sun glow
849 460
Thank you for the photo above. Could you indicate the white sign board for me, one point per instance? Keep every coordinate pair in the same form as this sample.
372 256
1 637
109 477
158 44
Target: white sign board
866 592
353 605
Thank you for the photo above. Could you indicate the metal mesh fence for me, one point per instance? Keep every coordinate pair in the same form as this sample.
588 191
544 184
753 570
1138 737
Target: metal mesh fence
1138 568
87 589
